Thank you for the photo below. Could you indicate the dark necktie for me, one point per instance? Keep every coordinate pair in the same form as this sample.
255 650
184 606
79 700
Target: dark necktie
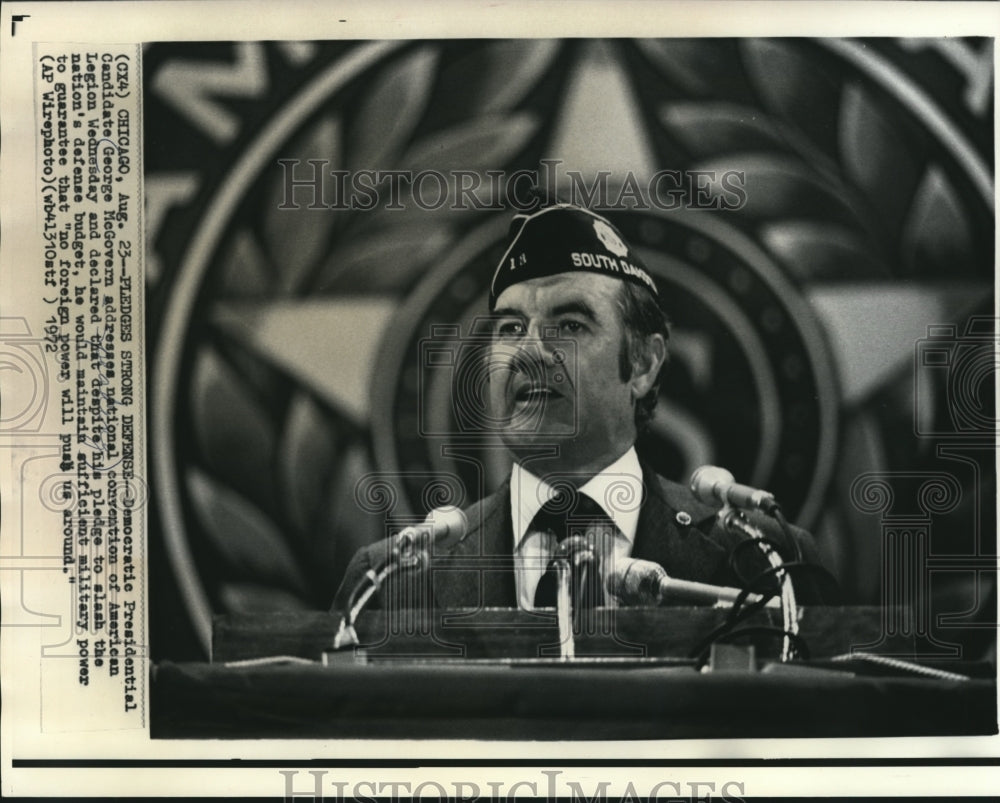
566 514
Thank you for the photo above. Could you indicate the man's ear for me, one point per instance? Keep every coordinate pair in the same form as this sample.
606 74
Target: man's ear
646 368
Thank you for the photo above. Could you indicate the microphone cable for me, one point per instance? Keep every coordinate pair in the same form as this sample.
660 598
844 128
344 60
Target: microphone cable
740 611
797 566
786 530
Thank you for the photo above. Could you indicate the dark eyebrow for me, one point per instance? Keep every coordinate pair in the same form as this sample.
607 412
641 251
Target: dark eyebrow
579 307
507 312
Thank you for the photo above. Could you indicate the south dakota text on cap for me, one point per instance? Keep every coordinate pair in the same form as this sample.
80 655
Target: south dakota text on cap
563 238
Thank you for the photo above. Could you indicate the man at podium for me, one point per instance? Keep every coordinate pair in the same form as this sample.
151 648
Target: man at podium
578 347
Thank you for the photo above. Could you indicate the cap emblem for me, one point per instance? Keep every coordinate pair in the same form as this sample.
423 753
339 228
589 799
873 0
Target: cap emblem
611 240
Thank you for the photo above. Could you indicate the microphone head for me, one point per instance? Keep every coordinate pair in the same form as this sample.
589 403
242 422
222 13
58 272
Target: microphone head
447 526
448 522
635 581
708 483
441 530
577 550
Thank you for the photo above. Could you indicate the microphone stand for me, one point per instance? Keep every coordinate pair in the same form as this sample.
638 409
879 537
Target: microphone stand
564 609
407 552
402 558
734 521
576 565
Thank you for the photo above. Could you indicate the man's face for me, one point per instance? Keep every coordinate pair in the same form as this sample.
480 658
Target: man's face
573 398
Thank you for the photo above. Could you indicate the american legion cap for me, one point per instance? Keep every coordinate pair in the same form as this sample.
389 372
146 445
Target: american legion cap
563 238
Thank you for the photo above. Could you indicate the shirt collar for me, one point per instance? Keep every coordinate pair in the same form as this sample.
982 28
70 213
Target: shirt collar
618 489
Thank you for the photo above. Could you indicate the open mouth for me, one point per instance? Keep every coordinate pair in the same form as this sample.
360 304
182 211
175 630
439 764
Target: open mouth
527 394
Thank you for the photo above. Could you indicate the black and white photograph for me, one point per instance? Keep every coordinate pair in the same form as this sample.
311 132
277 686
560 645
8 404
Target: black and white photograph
397 278
536 399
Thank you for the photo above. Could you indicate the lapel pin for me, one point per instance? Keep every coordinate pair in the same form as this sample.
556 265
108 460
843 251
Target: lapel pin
683 518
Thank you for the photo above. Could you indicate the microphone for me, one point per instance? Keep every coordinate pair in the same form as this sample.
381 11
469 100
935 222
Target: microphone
581 556
577 550
642 582
409 549
442 529
711 484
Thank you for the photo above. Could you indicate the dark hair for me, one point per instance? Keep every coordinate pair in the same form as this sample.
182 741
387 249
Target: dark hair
642 316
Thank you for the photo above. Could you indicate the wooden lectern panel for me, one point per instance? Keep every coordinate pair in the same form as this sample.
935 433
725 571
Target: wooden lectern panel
500 633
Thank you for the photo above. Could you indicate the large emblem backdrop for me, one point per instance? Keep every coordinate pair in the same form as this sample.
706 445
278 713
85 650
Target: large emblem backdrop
832 334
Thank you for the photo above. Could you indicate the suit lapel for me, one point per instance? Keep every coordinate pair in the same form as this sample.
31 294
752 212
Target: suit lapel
673 531
478 572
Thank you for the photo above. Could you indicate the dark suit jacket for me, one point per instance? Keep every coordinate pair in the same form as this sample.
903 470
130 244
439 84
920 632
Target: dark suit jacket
479 570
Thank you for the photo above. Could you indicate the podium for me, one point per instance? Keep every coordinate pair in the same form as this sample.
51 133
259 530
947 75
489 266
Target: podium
485 674
666 634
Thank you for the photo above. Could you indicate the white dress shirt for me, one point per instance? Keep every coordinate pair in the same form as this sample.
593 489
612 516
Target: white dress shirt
617 489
